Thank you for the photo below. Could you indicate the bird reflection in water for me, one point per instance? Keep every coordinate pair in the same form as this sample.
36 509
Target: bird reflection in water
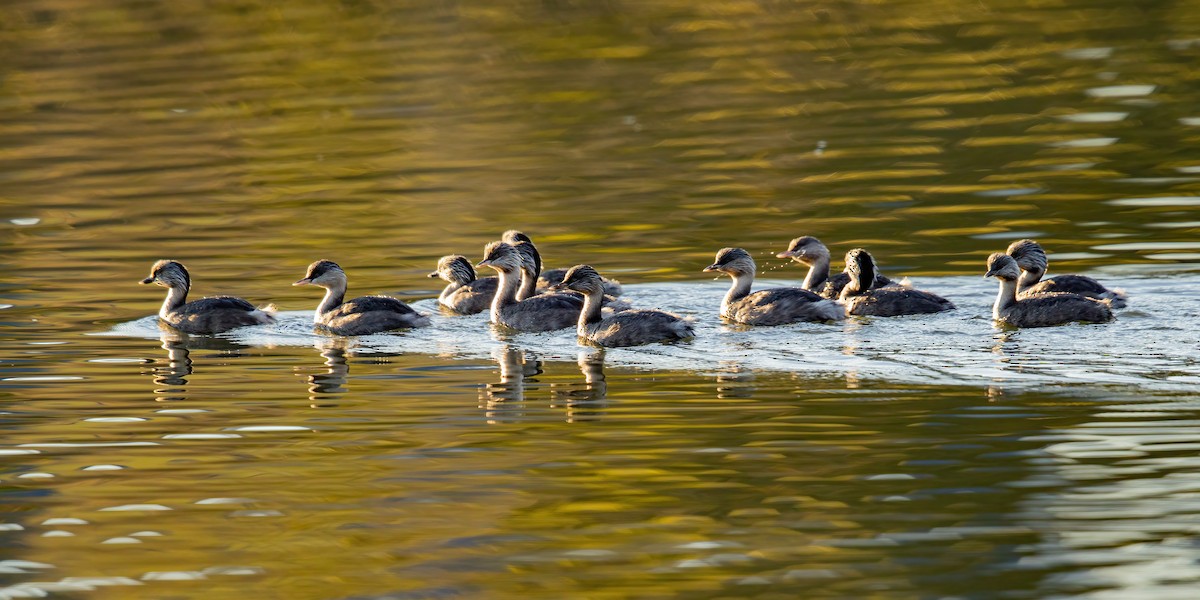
1004 345
324 388
170 379
504 401
584 401
733 381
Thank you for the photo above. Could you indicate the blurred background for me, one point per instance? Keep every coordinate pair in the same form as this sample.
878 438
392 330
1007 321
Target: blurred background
894 458
248 139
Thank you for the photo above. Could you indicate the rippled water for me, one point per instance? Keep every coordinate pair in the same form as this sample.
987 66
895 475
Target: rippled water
891 458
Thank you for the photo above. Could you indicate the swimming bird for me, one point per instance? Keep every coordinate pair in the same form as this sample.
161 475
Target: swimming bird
207 315
465 293
531 265
1032 261
360 316
544 312
886 301
774 306
809 251
547 278
1039 310
628 328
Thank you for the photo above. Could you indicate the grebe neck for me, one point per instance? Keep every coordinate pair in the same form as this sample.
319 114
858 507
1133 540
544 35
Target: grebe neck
506 293
1006 298
590 315
818 273
738 290
333 298
176 297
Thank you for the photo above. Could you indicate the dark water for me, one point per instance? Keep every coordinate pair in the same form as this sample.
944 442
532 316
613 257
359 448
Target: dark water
929 457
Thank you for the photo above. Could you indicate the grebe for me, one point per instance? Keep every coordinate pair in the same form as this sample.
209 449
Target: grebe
549 277
774 306
1039 310
465 294
809 251
531 266
360 316
544 312
1032 261
628 328
207 315
887 301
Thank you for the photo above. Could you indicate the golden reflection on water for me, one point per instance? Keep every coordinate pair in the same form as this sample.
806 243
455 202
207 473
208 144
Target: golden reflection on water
248 139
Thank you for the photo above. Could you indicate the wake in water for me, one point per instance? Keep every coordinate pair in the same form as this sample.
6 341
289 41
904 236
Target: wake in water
1146 347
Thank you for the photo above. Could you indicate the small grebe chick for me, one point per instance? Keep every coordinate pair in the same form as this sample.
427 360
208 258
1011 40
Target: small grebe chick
887 301
1032 261
207 315
628 328
549 277
465 293
1039 310
360 316
544 312
775 306
809 251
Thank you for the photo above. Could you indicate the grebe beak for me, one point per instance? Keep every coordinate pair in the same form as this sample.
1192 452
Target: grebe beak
712 267
432 275
787 254
147 280
305 281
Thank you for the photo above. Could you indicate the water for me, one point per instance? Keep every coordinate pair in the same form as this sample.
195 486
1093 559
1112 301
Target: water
894 458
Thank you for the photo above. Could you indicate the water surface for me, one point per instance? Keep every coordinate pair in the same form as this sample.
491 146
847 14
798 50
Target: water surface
889 458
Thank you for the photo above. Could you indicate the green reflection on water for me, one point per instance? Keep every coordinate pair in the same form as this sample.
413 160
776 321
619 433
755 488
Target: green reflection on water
248 139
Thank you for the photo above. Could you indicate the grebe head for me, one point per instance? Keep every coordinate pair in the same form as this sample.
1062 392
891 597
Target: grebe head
169 274
512 236
1029 255
733 262
520 241
806 249
860 264
581 278
530 261
502 257
1002 267
324 273
455 269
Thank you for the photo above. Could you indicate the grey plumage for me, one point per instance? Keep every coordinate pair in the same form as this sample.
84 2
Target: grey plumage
464 293
551 277
886 301
360 316
1034 263
545 312
809 251
1039 310
775 306
546 279
204 316
628 328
